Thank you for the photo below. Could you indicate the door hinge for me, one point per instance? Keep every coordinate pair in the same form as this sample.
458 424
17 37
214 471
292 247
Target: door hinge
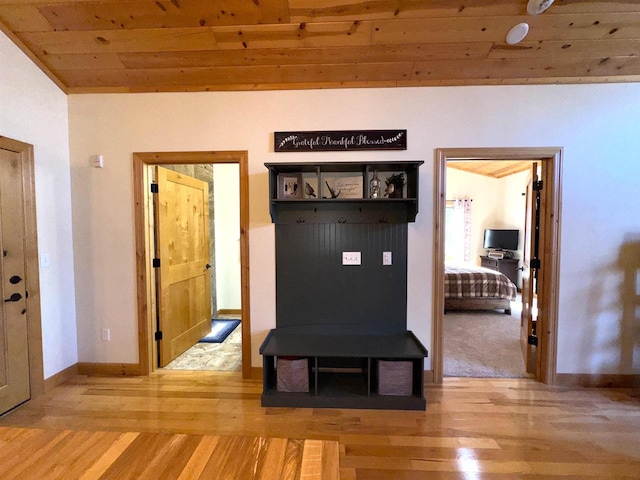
154 188
535 263
537 186
156 263
158 335
532 340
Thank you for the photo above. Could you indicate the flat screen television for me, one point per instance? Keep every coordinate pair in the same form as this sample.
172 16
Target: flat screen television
500 239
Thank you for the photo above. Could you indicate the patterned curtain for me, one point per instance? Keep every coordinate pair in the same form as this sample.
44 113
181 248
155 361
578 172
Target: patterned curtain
462 212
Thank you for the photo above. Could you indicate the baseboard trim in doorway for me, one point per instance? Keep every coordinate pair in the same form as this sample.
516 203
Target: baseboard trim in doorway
229 311
597 380
429 377
60 377
110 369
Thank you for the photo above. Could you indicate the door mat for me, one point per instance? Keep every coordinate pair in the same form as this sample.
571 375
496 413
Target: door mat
220 330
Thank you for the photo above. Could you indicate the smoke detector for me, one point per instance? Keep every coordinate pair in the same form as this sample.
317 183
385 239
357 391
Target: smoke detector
534 7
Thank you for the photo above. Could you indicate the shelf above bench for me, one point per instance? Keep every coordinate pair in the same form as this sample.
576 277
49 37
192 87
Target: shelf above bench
311 200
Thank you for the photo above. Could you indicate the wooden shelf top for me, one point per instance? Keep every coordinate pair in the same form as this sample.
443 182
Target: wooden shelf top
281 342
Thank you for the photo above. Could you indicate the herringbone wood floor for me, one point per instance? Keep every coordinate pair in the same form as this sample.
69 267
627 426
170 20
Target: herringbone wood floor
471 429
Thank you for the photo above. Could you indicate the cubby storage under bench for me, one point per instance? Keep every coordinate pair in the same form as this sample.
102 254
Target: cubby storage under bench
346 370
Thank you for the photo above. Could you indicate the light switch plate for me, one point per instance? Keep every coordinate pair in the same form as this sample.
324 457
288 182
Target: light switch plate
351 258
386 258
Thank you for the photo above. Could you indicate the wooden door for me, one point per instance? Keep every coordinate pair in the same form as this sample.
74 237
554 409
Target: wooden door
14 346
528 274
184 288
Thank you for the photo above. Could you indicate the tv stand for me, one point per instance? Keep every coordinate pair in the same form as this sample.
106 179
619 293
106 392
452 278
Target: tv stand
507 266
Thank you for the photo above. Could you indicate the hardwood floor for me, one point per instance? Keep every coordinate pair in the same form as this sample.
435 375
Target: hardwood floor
472 428
82 455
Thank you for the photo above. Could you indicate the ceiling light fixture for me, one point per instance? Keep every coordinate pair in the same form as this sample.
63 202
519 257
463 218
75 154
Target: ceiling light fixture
517 33
534 7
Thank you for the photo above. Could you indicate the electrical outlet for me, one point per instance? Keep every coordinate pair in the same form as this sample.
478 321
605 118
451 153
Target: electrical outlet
351 258
386 258
45 260
105 334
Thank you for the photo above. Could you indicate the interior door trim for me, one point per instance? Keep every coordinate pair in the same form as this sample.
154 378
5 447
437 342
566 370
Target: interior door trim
551 160
145 285
32 269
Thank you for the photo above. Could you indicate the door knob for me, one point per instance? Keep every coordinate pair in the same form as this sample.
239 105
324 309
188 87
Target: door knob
15 297
520 268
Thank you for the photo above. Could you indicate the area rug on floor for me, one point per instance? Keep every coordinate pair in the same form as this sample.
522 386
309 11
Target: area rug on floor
220 357
220 330
482 344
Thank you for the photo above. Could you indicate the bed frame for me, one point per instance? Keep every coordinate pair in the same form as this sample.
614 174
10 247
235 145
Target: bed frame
477 303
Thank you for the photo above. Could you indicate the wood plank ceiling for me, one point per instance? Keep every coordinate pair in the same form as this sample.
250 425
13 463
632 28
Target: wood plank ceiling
491 168
198 45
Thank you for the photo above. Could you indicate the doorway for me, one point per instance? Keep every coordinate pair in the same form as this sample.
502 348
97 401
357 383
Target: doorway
144 163
550 159
21 360
485 238
197 219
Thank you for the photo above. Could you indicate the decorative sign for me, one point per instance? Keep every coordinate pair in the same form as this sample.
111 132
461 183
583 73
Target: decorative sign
340 140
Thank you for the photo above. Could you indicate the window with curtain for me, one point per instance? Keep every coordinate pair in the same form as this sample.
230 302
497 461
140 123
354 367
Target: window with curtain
457 242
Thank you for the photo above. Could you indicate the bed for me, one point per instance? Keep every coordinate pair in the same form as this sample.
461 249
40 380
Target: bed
468 287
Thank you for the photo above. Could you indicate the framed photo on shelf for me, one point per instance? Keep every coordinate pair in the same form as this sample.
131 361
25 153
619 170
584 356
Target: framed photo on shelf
349 187
289 185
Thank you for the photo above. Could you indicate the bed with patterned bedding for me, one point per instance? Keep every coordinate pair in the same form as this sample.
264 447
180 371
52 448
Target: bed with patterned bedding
468 287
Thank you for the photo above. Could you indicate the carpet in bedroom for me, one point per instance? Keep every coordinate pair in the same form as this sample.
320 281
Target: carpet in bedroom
483 344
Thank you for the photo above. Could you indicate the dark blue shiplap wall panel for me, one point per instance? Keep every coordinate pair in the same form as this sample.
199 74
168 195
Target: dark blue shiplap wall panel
313 288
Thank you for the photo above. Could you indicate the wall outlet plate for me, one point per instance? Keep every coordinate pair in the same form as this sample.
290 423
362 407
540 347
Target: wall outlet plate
351 258
387 258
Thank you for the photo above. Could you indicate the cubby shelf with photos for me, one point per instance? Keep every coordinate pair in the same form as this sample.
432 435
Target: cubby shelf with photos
341 192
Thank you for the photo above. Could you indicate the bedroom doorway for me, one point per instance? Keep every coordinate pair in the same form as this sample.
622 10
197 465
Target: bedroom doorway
144 167
550 161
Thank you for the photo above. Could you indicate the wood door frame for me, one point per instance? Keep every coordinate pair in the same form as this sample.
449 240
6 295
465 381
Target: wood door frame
32 268
145 284
551 160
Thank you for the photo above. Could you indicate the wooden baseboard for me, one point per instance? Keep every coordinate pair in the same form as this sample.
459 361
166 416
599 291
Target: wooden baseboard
597 380
60 377
229 311
110 369
428 377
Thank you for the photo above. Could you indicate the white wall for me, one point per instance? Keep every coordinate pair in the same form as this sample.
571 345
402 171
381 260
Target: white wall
497 203
514 205
486 194
226 192
34 110
598 126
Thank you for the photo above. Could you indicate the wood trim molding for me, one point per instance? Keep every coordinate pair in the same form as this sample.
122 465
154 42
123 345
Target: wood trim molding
429 378
551 213
34 319
439 205
551 161
142 162
597 380
60 377
111 369
229 311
